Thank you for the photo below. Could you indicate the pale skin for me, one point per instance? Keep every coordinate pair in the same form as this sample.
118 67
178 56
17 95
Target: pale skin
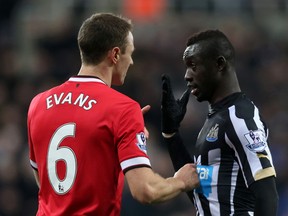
145 185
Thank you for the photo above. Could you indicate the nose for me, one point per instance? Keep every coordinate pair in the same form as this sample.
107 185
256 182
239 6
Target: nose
188 76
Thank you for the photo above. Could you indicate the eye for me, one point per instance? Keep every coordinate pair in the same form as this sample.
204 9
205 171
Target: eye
193 67
191 64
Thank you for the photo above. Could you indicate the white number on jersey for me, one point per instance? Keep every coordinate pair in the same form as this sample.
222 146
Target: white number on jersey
64 153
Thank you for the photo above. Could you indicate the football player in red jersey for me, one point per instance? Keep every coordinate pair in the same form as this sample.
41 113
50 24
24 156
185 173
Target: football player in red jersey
85 136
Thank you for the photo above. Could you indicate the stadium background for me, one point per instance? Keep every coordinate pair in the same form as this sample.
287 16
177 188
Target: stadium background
38 50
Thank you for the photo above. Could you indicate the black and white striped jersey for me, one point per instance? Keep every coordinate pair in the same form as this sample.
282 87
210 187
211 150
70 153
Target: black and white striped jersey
231 153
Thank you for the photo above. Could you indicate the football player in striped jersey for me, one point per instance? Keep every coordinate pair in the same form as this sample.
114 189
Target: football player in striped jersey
234 162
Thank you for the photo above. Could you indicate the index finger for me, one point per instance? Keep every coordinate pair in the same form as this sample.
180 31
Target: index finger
145 109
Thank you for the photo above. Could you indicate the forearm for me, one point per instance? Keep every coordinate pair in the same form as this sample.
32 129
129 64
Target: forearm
266 197
178 154
146 186
166 189
177 151
152 188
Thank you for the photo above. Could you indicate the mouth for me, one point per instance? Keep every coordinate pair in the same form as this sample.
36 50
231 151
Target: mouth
194 89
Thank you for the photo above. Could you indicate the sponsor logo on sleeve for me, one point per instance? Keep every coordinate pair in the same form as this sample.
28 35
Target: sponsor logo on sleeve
256 140
141 142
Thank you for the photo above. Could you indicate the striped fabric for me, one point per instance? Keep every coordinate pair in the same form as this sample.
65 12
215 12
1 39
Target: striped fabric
231 153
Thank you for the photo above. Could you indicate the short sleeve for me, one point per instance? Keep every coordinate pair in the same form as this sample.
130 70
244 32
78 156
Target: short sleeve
249 139
131 140
30 115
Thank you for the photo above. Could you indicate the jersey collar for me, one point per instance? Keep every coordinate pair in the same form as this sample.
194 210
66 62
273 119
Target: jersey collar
86 79
224 103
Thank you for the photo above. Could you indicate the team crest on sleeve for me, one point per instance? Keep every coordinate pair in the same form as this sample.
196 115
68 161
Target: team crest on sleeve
141 141
256 140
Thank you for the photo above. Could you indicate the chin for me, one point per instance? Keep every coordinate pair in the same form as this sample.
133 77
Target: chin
118 82
122 81
200 98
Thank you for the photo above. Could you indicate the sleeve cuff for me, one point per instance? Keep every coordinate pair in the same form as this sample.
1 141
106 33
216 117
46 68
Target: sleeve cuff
34 165
135 162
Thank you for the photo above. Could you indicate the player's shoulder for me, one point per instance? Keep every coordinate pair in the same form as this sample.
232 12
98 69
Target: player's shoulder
40 96
119 97
35 100
122 104
34 103
244 107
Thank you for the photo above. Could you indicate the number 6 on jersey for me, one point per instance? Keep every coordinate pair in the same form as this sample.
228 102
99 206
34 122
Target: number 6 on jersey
65 154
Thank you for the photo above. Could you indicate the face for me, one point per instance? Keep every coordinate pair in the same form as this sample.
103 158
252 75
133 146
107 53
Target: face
124 62
201 73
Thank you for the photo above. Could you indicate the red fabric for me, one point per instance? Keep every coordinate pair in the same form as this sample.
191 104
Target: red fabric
79 133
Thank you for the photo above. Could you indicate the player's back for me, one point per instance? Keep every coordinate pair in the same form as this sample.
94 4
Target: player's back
74 130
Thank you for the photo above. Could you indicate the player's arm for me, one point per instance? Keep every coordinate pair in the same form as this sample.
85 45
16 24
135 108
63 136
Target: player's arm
266 197
36 175
147 187
254 157
177 150
172 113
178 153
31 111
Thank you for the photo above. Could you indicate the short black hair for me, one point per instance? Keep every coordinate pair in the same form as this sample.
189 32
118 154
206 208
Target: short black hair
215 44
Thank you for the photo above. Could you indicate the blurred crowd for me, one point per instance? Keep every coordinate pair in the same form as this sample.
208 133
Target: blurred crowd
38 50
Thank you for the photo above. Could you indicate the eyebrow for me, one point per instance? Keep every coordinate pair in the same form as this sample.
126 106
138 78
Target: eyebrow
187 56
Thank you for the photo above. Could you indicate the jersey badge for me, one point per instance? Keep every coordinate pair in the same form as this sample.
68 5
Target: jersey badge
256 140
212 136
141 142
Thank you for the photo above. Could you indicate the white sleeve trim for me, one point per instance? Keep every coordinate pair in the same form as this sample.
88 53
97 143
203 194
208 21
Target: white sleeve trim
33 164
135 162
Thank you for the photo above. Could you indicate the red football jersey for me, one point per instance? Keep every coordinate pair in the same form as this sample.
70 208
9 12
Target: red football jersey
82 135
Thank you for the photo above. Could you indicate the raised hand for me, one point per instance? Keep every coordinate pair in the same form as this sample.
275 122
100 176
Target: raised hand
172 110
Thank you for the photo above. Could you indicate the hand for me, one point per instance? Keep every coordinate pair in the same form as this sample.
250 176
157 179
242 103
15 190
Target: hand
188 174
145 110
172 111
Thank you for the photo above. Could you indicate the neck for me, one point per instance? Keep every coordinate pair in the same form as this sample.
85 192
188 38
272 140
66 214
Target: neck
227 87
101 71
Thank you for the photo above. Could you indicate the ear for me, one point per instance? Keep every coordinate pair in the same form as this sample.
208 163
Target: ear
221 63
115 54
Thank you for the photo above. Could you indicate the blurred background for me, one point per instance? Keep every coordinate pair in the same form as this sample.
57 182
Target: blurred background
38 50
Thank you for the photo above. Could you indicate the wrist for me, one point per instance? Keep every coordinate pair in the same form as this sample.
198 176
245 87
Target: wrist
180 182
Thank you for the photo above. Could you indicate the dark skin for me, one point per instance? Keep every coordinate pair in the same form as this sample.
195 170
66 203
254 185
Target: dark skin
212 79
